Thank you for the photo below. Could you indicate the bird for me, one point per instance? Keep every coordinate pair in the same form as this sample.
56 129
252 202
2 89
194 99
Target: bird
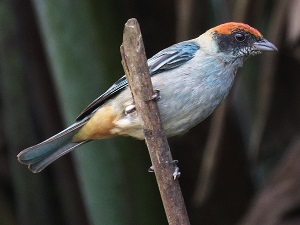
193 78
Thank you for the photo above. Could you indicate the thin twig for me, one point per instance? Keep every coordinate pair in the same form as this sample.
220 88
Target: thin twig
134 62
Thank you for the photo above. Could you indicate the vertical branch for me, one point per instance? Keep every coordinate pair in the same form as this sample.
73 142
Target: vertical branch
134 62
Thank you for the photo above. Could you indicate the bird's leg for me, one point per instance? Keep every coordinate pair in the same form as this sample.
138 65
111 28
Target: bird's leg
176 173
156 95
151 169
129 109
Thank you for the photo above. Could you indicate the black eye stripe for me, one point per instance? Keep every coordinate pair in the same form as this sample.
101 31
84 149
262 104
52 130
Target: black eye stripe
238 43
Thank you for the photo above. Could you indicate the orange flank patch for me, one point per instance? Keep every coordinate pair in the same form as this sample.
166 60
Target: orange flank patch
228 28
99 125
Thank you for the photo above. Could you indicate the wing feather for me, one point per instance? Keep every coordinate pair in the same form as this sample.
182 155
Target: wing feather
167 59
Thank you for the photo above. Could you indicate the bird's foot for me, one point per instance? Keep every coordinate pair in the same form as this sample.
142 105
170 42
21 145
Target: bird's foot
176 173
151 169
156 95
129 109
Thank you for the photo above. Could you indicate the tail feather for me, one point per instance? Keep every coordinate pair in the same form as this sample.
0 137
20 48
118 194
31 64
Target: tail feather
46 161
41 155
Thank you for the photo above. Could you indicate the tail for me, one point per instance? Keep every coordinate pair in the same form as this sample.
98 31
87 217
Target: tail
39 156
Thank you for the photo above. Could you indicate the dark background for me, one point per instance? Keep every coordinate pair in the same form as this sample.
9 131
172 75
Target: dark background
240 166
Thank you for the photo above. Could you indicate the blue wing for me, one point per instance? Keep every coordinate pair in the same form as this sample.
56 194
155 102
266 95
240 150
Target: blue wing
172 57
166 59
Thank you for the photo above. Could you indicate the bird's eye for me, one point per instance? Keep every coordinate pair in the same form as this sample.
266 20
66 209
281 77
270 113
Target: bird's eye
240 37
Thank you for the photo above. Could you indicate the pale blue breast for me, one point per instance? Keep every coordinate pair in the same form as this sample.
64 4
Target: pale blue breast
191 93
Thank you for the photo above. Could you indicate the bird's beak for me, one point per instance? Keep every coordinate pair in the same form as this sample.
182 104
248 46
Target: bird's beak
264 45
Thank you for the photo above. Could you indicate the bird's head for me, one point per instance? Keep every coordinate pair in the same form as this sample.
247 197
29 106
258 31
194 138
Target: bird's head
238 40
